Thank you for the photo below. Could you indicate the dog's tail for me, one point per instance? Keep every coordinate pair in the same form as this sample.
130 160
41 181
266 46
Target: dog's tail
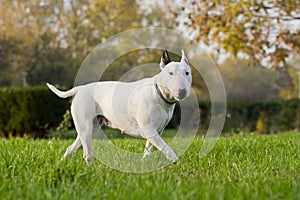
62 94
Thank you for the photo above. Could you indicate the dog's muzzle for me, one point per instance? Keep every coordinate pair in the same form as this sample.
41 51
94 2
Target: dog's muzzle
182 93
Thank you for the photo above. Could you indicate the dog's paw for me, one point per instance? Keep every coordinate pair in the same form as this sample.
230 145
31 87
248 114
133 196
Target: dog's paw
176 160
170 154
89 160
146 154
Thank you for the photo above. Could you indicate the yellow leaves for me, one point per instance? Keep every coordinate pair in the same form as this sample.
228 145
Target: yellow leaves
245 26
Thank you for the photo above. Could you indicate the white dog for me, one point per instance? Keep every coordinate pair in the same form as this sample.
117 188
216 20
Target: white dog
142 108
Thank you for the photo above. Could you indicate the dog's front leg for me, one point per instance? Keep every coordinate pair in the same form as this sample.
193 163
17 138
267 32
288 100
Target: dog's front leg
161 145
148 149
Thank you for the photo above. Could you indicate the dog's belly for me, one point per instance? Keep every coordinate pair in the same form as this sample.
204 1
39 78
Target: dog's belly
134 129
131 126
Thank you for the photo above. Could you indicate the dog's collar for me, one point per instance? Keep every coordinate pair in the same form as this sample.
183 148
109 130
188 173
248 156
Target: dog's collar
163 98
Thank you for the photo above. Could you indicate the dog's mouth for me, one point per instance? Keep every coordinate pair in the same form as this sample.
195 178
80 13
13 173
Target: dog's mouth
179 98
181 94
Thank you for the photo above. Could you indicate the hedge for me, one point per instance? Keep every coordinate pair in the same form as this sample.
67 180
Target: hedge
32 111
270 117
251 116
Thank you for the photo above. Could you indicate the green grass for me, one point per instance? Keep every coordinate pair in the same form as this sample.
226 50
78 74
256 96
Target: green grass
249 167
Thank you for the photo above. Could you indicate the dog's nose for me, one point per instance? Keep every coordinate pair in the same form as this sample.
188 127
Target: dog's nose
182 93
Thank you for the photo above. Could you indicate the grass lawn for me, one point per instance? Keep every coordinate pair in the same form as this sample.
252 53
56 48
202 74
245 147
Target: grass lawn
249 167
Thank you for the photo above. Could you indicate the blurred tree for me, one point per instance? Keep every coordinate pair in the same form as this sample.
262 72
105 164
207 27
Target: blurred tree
9 50
248 83
289 80
50 39
31 24
262 31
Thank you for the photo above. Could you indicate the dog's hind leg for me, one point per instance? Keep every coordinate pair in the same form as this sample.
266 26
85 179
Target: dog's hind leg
86 135
84 123
84 130
72 148
97 124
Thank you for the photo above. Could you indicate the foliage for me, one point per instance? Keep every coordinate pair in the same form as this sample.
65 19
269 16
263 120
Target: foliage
242 116
249 116
35 110
244 83
66 124
31 111
279 115
261 123
292 91
56 36
252 167
262 31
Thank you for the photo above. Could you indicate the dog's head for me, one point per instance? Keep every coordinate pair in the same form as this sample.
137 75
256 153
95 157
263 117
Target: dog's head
175 77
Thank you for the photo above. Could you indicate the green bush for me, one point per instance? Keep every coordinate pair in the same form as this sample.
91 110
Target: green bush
31 111
242 116
67 123
279 116
34 111
261 123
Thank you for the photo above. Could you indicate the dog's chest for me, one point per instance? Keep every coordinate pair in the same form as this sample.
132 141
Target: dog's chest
164 123
160 117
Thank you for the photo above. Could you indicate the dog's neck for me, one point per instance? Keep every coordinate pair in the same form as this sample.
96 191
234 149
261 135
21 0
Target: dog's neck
165 96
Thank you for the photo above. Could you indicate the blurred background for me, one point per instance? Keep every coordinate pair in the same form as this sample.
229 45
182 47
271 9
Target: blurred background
255 43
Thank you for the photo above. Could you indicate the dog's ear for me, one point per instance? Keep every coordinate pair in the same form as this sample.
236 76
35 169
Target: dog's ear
165 59
183 58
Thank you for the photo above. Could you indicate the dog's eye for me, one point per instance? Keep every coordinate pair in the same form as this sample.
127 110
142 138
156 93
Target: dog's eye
171 73
187 73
